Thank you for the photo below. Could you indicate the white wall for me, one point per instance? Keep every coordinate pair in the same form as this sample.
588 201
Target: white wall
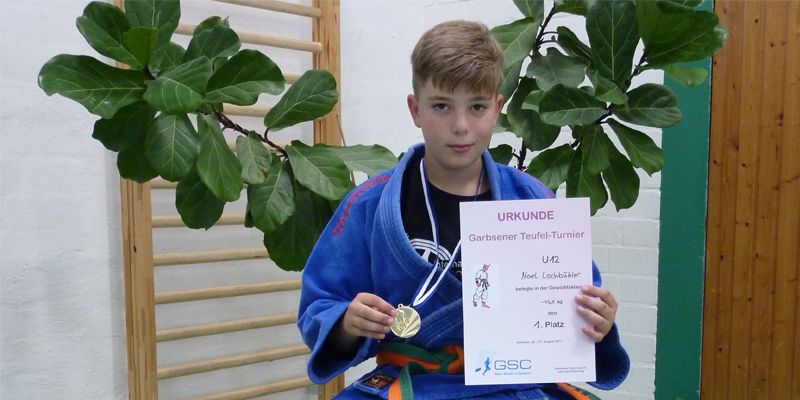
63 326
61 294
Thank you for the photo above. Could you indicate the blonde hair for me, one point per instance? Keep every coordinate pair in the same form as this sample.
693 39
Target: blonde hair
458 55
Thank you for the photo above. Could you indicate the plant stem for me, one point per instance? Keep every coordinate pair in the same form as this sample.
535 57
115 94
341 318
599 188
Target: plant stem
523 151
543 26
606 115
264 138
226 122
636 71
521 158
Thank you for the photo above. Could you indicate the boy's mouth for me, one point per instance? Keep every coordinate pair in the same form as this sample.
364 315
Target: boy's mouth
460 148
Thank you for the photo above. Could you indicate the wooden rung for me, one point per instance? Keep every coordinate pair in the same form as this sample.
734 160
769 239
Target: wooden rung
198 257
174 221
161 183
256 391
264 40
226 291
217 328
245 111
278 6
231 361
290 78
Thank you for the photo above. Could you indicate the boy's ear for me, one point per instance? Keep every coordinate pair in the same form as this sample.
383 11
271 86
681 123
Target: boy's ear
413 108
498 107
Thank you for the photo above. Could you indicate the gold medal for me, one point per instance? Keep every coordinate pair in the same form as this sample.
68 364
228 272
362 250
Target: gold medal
406 322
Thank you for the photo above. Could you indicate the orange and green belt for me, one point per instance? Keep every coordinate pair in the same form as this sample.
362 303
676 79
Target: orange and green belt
449 360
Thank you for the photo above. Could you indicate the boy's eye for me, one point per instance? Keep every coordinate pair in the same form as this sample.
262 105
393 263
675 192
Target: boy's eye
440 107
479 107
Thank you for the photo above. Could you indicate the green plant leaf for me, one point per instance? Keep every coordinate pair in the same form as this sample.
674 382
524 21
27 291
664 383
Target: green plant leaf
622 180
126 127
217 41
312 96
687 76
502 154
594 148
243 78
103 26
272 202
180 90
370 160
678 6
582 183
532 100
650 105
577 7
163 15
678 37
551 166
172 145
502 124
248 217
517 38
141 42
291 244
133 165
527 124
255 158
210 23
172 57
196 204
217 166
642 150
318 169
101 88
613 35
563 105
531 8
569 41
606 90
555 68
510 80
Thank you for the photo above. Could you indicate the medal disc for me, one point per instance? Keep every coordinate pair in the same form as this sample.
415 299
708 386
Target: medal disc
406 323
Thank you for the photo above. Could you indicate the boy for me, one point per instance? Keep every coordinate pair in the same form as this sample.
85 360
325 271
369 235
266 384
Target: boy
395 229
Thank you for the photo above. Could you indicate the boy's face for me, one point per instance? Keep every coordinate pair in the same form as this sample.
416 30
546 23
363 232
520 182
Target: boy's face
457 126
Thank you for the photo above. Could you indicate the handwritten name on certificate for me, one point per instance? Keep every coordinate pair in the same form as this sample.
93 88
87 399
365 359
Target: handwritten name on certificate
523 262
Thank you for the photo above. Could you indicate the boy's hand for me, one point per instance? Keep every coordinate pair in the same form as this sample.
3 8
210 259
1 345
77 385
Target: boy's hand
599 308
369 316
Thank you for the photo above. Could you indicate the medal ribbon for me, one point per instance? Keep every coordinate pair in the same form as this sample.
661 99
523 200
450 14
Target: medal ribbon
424 292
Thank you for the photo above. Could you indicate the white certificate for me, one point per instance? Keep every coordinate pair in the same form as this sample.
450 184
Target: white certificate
523 262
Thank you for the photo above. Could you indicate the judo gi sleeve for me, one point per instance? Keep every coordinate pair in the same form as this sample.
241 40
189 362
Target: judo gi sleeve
337 270
612 360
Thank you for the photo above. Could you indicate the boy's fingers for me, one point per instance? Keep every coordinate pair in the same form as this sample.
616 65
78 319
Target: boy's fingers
593 334
376 303
368 326
601 324
378 318
603 293
595 304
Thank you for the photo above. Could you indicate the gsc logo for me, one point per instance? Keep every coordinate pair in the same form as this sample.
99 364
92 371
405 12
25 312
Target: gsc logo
505 365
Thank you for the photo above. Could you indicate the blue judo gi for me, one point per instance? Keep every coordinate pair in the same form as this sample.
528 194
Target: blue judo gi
365 248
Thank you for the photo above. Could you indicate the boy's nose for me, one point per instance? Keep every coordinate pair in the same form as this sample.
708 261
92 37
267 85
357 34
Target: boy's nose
460 125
